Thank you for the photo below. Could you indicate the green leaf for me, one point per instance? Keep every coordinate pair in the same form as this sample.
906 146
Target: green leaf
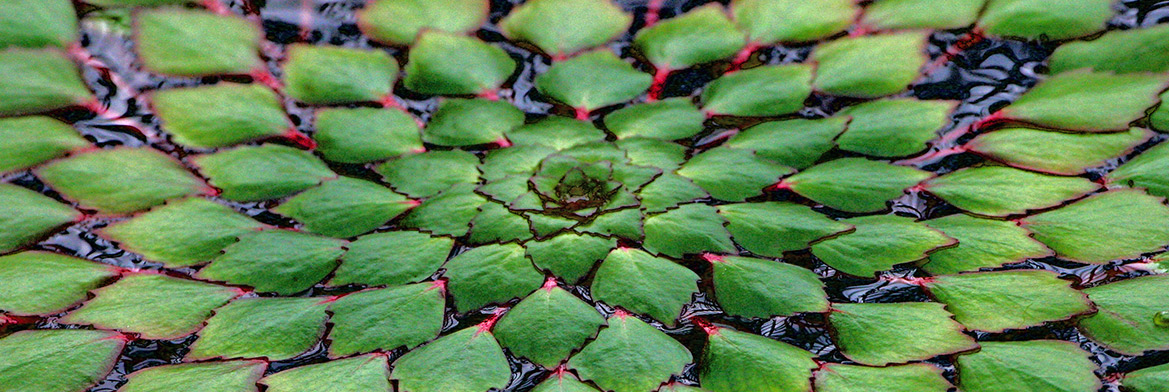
768 22
627 223
182 42
593 80
385 319
1146 170
467 360
431 172
279 261
466 122
751 174
345 207
561 321
758 288
560 27
135 3
701 35
556 132
26 216
630 356
398 22
362 135
646 151
29 141
1159 120
448 213
391 258
637 281
1125 320
854 184
998 301
982 243
1104 101
323 75
264 172
676 387
220 115
759 92
42 283
512 166
1120 51
563 382
740 361
1056 152
921 14
34 81
879 243
448 64
1149 379
120 180
668 119
546 225
37 23
1002 191
271 328
689 229
916 377
490 274
1034 19
152 305
797 143
923 330
894 127
357 374
870 66
182 233
495 223
226 376
57 360
668 191
569 255
1030 366
772 228
1118 224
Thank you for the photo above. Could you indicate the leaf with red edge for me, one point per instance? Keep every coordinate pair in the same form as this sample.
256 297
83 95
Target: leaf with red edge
560 27
630 356
181 233
982 243
362 373
467 122
921 14
185 42
431 172
1028 366
120 180
740 361
42 283
1002 300
490 274
854 184
563 381
385 319
560 320
1052 20
769 22
496 223
34 81
399 22
448 64
752 173
893 127
669 119
57 360
635 280
593 80
1003 191
1118 224
1056 152
448 213
1104 101
1159 120
263 172
29 141
271 328
225 376
1150 379
569 255
220 115
772 228
766 91
391 258
345 207
749 287
324 75
701 35
870 66
1146 170
915 377
37 23
689 229
797 143
280 261
1127 318
556 132
26 216
361 135
923 330
152 305
879 243
467 360
1121 51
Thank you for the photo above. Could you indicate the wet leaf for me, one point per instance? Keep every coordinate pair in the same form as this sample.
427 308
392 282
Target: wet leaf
560 27
449 64
361 135
796 143
385 319
1017 299
495 223
1146 170
562 321
740 361
630 356
220 115
689 229
921 14
1104 101
182 233
869 66
593 80
280 261
152 305
225 376
1033 19
916 377
120 180
923 329
556 132
1159 120
466 122
675 387
701 35
768 22
187 42
759 92
668 191
982 243
758 288
271 328
510 168
1118 224
322 75
398 22
1002 191
26 216
855 184
37 23
646 151
1030 366
1120 51
431 172
42 283
772 228
879 243
345 207
357 374
34 81
391 258
569 255
263 172
467 360
29 141
1146 380
563 382
57 360
752 173
1056 152
1124 322
448 213
894 127
490 274
669 119
637 281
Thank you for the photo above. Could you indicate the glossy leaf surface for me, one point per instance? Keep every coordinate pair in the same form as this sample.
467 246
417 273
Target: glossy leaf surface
1126 320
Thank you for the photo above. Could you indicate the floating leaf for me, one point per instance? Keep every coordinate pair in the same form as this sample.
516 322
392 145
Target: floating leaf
1125 322
560 27
748 287
879 243
1033 19
869 66
740 361
635 280
981 243
916 377
391 258
34 81
361 135
1104 101
431 172
29 141
356 374
893 127
998 301
153 306
448 213
1148 379
796 143
630 356
41 283
854 184
345 207
399 21
135 3
466 122
1159 120
263 172
183 233
182 42
669 119
1030 366
220 115
923 330
271 328
57 360
1002 191
653 152
676 387
759 92
1146 170
1056 152
689 229
752 173
26 216
921 14
558 133
226 376
570 255
771 228
120 180
37 23
385 319
562 321
322 75
448 64
668 191
702 35
1118 224
495 223
279 261
490 274
469 360
773 21
512 166
1120 51
593 80
563 382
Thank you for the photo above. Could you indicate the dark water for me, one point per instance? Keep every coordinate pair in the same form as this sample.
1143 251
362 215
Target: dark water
985 77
